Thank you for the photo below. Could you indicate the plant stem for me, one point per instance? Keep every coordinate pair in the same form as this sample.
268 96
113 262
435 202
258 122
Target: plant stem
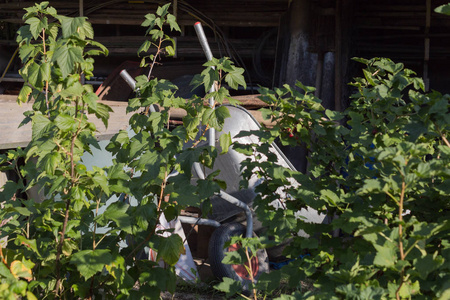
95 225
161 194
400 234
445 140
45 61
158 51
251 272
67 208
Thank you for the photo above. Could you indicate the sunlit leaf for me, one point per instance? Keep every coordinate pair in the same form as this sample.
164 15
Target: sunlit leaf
170 249
89 262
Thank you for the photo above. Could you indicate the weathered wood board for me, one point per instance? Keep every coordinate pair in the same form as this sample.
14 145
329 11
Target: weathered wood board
11 115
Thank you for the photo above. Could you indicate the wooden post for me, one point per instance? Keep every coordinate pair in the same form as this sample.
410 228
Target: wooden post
319 74
81 8
344 11
426 58
301 64
338 56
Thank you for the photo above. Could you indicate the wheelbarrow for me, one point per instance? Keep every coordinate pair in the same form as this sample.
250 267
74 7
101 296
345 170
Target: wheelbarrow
233 201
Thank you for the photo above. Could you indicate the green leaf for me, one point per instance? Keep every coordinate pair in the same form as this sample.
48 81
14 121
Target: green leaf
225 142
269 281
27 51
385 257
236 79
31 244
37 25
67 57
24 35
40 126
369 77
163 10
170 249
173 23
170 51
443 9
116 212
89 262
38 74
308 89
207 78
334 115
216 117
370 185
91 101
24 94
427 264
102 113
100 180
149 21
229 286
330 197
103 49
68 247
65 122
144 47
50 161
20 270
5 272
74 91
76 26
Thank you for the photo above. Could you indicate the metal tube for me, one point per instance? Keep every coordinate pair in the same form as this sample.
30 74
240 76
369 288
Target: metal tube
199 171
203 41
244 207
132 83
205 46
128 79
197 221
211 136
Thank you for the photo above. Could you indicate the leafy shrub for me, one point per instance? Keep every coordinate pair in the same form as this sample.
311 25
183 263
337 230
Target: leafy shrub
379 171
55 247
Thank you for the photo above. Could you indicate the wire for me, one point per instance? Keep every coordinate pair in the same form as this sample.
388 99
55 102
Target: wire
9 64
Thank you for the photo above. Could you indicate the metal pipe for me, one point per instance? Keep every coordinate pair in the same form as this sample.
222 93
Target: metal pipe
199 171
227 197
132 83
205 46
203 41
128 79
198 221
244 207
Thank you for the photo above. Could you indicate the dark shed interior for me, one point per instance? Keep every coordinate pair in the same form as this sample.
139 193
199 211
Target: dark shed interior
276 41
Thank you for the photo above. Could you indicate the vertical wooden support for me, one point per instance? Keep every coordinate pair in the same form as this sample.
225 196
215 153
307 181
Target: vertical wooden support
344 10
319 74
81 8
338 56
175 8
301 63
426 58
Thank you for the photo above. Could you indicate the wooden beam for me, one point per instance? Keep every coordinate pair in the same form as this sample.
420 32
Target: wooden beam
11 115
426 58
338 56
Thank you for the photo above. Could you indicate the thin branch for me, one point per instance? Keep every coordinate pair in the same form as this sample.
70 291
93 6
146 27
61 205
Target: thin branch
68 201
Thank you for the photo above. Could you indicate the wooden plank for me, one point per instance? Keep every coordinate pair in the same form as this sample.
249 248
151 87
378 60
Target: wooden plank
11 115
